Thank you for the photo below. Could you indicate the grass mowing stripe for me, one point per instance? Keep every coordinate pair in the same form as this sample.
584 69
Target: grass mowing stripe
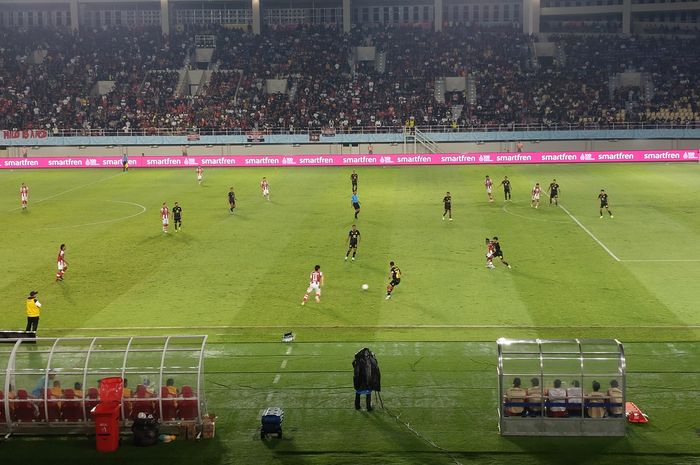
68 191
589 233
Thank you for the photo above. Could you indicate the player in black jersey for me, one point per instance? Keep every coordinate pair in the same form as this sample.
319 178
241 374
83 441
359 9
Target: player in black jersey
447 200
603 197
497 252
353 240
506 187
353 180
177 217
395 279
554 192
231 200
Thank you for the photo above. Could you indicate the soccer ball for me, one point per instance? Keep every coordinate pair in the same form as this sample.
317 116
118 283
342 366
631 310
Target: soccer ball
365 287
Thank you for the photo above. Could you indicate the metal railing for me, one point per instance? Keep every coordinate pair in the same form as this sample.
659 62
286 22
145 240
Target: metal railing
368 130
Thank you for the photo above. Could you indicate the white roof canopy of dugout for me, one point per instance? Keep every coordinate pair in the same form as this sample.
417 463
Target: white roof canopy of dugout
51 384
568 387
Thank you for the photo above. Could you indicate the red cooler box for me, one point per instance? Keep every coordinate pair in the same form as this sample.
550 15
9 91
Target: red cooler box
106 418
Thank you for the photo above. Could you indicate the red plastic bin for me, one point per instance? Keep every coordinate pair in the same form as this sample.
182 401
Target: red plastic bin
111 389
106 418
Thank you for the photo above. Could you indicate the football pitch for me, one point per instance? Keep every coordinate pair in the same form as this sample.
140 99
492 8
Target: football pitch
240 279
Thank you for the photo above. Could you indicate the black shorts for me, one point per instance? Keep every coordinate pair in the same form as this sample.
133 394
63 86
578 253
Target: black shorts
498 254
395 282
356 206
177 219
354 183
448 206
603 204
553 195
353 244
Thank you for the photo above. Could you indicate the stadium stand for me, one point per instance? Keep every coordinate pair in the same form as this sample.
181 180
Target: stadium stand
49 79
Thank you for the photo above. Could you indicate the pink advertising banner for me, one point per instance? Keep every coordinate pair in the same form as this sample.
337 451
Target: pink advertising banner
493 158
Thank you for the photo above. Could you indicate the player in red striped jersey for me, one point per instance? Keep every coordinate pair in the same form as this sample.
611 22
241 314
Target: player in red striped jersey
62 263
265 186
165 217
490 250
24 195
315 284
536 191
489 186
200 174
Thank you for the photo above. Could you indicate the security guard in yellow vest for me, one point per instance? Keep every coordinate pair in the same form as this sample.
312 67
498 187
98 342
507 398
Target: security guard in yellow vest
33 311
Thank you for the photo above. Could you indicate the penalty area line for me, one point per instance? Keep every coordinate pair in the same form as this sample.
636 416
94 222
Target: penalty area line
589 233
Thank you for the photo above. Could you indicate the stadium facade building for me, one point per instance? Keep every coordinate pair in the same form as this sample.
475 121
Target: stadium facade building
535 16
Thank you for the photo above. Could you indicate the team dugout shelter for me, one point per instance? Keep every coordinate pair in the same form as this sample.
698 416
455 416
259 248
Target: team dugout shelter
573 387
50 385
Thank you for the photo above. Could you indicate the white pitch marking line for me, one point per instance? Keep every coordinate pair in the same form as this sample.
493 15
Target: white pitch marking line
143 209
458 326
590 233
661 260
269 397
289 350
542 220
277 379
284 364
69 190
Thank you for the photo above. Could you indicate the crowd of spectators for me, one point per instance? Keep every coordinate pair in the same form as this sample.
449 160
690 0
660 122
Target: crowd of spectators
48 77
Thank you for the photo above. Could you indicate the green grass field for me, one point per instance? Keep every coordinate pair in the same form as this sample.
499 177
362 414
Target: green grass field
240 279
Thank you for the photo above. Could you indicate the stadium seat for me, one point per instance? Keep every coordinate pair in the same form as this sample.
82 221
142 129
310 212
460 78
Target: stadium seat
187 408
25 410
49 404
141 402
72 408
91 400
169 409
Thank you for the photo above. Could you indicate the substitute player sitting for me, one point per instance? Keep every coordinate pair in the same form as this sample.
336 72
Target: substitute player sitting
315 284
536 191
353 240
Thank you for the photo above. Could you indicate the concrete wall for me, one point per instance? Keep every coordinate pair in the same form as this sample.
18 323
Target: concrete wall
339 149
